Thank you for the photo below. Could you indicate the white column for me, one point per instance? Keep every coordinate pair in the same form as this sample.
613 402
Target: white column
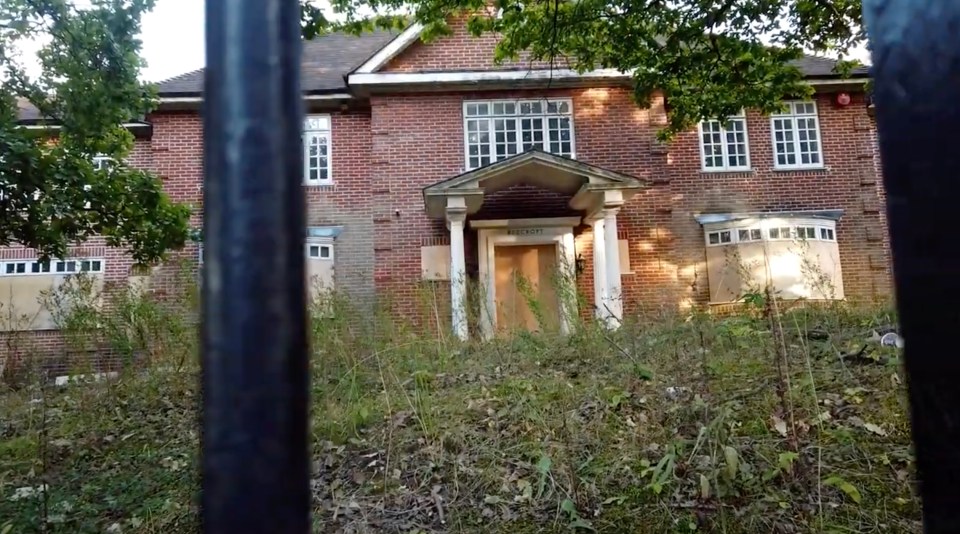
599 270
456 216
614 288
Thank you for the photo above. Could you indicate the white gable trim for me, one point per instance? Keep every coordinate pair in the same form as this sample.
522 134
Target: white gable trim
390 51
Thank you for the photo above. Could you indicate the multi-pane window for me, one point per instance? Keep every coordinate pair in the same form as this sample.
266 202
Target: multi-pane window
721 237
36 267
805 232
782 232
726 236
796 136
723 146
323 252
101 163
316 150
496 130
749 234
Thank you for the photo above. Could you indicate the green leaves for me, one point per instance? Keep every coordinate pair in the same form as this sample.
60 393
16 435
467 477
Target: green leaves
51 193
708 59
847 488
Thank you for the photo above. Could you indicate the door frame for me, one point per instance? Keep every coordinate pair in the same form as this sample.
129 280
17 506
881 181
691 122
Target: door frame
505 232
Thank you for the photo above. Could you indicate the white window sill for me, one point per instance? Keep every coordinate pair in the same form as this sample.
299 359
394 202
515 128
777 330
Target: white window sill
801 169
727 171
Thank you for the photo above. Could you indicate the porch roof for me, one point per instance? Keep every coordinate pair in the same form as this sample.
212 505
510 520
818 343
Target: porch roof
584 182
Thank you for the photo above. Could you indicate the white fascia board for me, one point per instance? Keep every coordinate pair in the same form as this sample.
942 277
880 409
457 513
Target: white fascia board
390 51
181 100
413 78
57 126
836 81
308 98
331 96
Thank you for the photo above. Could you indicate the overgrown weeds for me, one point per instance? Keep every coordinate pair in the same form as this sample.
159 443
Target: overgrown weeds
683 424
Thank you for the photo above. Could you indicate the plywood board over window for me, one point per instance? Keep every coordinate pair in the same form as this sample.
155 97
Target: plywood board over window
625 257
320 274
435 262
26 284
797 258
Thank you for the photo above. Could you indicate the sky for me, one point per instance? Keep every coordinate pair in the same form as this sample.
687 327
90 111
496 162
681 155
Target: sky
173 39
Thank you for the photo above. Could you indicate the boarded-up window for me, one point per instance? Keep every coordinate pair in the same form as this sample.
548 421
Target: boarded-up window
320 273
435 262
27 286
796 258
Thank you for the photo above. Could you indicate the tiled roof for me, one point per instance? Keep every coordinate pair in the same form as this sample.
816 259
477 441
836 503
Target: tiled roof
26 112
821 67
326 60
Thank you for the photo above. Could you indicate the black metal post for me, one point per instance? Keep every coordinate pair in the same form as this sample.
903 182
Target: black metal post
255 459
916 53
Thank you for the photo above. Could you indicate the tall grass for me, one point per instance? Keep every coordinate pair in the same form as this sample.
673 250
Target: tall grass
673 423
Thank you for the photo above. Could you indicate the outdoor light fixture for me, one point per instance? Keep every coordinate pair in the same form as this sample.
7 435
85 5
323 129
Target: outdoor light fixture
581 264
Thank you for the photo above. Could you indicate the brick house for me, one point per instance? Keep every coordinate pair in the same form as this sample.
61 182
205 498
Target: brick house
426 165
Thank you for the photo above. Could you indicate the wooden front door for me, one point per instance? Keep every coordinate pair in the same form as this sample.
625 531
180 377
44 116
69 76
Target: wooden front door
526 296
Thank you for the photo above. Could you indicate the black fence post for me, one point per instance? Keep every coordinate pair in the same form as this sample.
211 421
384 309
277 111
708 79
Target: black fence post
916 56
255 377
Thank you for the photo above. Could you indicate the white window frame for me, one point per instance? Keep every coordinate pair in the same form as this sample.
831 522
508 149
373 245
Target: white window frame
52 266
320 246
99 160
314 124
791 114
725 146
822 232
545 128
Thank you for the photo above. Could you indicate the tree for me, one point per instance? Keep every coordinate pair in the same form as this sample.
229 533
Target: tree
71 180
710 58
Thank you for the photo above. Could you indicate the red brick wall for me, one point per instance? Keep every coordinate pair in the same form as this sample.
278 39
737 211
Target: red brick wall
850 181
610 131
459 51
420 140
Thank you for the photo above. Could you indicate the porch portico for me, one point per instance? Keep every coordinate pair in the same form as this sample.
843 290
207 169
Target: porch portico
596 194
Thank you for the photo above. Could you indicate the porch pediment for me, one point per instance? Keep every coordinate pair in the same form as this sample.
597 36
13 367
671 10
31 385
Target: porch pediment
587 184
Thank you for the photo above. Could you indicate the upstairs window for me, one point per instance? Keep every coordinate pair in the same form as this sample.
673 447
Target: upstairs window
316 150
496 130
796 137
723 146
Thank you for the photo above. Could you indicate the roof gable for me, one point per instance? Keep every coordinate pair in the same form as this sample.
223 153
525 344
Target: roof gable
407 53
585 183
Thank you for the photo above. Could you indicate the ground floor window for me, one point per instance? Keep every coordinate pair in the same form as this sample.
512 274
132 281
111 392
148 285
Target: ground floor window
31 290
321 281
795 256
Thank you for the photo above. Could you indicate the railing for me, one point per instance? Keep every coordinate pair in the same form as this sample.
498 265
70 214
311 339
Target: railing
916 50
255 460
